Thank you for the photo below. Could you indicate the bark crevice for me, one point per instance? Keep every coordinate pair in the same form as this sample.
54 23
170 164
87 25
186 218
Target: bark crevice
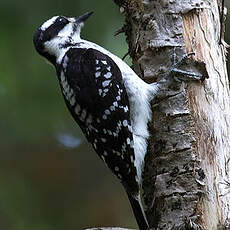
189 148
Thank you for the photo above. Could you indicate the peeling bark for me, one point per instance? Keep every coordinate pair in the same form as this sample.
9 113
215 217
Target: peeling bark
186 182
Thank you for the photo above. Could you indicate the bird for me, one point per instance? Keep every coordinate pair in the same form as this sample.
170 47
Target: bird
106 98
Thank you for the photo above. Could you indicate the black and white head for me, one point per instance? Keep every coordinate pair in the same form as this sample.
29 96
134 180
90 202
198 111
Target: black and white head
56 34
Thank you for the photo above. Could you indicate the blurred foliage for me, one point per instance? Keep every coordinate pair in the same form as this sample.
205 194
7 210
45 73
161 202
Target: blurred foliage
48 173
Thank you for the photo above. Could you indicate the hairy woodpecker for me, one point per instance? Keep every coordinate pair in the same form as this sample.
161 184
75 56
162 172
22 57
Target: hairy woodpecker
107 99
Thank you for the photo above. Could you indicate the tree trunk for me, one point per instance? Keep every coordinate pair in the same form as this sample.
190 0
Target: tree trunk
102 228
186 183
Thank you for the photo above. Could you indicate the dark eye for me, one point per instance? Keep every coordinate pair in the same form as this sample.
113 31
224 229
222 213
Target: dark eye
62 20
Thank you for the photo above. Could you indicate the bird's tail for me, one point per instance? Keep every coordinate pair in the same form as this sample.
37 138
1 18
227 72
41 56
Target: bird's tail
138 212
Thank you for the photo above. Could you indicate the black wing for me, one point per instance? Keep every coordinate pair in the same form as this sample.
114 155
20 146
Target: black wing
100 106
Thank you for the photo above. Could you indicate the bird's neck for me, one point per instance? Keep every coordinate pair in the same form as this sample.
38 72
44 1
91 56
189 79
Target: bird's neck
58 47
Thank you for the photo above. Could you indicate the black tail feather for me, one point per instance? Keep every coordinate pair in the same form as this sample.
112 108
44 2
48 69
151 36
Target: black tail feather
138 212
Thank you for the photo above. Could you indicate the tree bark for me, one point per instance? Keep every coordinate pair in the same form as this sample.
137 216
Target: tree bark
102 228
186 183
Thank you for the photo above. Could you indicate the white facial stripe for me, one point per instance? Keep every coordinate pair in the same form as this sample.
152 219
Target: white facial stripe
66 31
48 23
72 20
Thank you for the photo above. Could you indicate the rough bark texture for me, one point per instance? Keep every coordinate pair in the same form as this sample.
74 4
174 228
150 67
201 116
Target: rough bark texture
187 165
102 228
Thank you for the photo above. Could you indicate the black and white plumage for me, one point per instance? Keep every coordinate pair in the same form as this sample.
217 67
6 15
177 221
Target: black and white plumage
106 98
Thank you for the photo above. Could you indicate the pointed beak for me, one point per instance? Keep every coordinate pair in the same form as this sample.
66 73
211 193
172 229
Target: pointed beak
82 18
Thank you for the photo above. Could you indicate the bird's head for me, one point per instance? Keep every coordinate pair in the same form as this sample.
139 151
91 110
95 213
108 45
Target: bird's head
56 34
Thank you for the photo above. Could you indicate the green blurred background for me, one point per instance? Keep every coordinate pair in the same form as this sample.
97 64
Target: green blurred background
50 178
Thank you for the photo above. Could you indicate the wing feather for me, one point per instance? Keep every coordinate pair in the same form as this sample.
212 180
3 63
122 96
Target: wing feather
102 109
